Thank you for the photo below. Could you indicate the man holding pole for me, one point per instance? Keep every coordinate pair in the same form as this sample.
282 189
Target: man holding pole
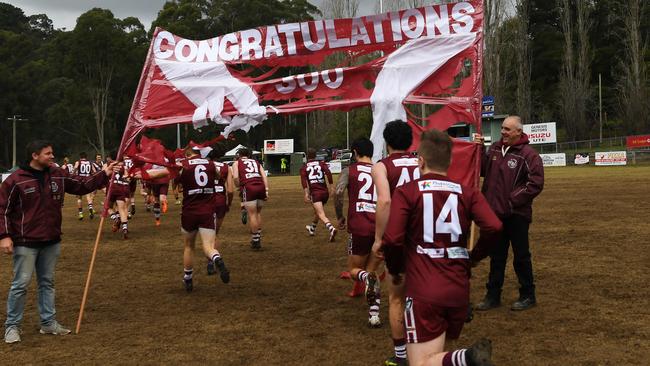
30 229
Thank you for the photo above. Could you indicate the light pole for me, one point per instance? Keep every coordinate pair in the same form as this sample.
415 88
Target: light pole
347 128
14 119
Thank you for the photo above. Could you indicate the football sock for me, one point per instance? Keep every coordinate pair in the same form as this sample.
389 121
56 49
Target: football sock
90 207
362 276
256 236
374 309
455 358
125 226
314 224
81 209
187 273
114 216
216 257
329 226
400 347
156 210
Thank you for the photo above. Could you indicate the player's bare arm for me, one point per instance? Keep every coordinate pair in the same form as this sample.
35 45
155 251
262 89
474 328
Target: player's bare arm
380 178
266 182
235 175
341 185
230 187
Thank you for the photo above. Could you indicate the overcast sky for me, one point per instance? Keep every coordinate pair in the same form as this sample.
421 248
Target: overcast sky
64 13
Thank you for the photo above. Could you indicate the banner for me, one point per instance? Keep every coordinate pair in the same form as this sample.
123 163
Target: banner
541 133
581 158
429 55
558 159
284 146
611 158
633 142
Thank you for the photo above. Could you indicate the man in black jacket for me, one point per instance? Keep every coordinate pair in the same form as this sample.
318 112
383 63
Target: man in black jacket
30 229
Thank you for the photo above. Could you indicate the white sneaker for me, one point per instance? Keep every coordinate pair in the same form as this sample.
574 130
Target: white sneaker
12 335
311 230
54 328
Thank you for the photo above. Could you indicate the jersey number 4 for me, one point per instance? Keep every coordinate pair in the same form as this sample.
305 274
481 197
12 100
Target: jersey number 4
440 226
405 177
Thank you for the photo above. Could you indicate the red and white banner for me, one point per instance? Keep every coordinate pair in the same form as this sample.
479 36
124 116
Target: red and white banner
429 55
633 142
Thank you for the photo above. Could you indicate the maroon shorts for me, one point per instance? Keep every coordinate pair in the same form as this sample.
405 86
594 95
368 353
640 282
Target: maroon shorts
252 192
425 322
158 189
191 222
320 196
119 192
360 245
132 185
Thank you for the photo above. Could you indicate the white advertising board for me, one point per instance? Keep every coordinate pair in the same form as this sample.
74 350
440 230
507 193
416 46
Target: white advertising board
607 158
284 146
541 133
553 159
581 159
335 166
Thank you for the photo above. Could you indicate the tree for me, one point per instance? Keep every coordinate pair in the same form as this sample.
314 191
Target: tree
633 85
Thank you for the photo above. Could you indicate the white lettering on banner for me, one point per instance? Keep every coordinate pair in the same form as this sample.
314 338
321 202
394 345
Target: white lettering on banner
288 84
558 159
320 36
163 36
541 133
272 41
437 21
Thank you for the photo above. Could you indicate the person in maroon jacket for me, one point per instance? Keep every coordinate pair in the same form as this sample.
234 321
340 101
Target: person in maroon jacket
429 229
312 177
30 229
362 200
514 176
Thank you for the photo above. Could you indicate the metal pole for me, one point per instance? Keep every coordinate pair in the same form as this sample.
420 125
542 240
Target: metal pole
178 135
13 160
347 128
14 119
381 6
306 132
600 105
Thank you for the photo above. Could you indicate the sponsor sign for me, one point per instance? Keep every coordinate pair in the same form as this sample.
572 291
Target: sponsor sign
611 158
581 159
541 133
278 146
553 159
335 166
638 141
487 109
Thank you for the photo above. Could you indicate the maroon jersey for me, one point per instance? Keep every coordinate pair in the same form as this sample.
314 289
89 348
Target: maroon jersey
313 175
401 168
431 218
249 172
85 168
220 184
120 176
197 178
362 198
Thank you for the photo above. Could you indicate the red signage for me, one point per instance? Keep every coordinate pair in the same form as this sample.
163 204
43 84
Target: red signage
638 141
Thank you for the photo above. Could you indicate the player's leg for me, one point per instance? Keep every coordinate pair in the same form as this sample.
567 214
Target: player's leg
164 189
217 244
359 249
320 212
124 217
155 191
188 258
89 199
427 328
522 263
253 223
311 228
396 320
208 237
498 260
80 208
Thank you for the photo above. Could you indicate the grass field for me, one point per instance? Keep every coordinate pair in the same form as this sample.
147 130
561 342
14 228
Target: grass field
286 306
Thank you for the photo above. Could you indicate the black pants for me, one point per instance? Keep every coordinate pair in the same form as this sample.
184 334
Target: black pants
515 231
